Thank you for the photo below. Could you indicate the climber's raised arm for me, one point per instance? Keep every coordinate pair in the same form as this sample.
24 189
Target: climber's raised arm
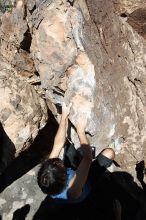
79 179
61 133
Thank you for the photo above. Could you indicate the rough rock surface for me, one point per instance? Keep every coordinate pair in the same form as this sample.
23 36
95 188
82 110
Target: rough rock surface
22 112
101 53
22 194
125 6
90 53
120 78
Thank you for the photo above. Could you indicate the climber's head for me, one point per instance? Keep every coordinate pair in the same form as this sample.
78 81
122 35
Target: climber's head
52 176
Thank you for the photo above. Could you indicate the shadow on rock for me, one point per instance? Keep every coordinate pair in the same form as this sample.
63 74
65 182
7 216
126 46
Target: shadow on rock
29 158
21 213
7 150
141 171
116 197
130 196
85 210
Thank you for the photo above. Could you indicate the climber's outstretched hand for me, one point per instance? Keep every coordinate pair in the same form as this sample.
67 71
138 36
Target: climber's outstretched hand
81 122
65 110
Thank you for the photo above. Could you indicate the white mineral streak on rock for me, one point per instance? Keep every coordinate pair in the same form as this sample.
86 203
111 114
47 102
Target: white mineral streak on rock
81 85
84 8
76 20
81 89
111 131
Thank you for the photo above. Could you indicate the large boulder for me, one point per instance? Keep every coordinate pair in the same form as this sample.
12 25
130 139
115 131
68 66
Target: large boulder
22 111
90 53
120 72
87 54
102 74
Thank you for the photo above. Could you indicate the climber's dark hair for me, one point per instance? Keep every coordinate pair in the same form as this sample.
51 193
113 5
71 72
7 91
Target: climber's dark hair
52 176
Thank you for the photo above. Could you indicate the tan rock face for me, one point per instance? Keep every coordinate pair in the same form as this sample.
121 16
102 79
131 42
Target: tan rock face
59 53
53 46
92 55
22 113
56 49
120 83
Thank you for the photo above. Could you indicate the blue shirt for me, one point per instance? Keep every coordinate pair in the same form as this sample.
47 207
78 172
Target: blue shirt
64 197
